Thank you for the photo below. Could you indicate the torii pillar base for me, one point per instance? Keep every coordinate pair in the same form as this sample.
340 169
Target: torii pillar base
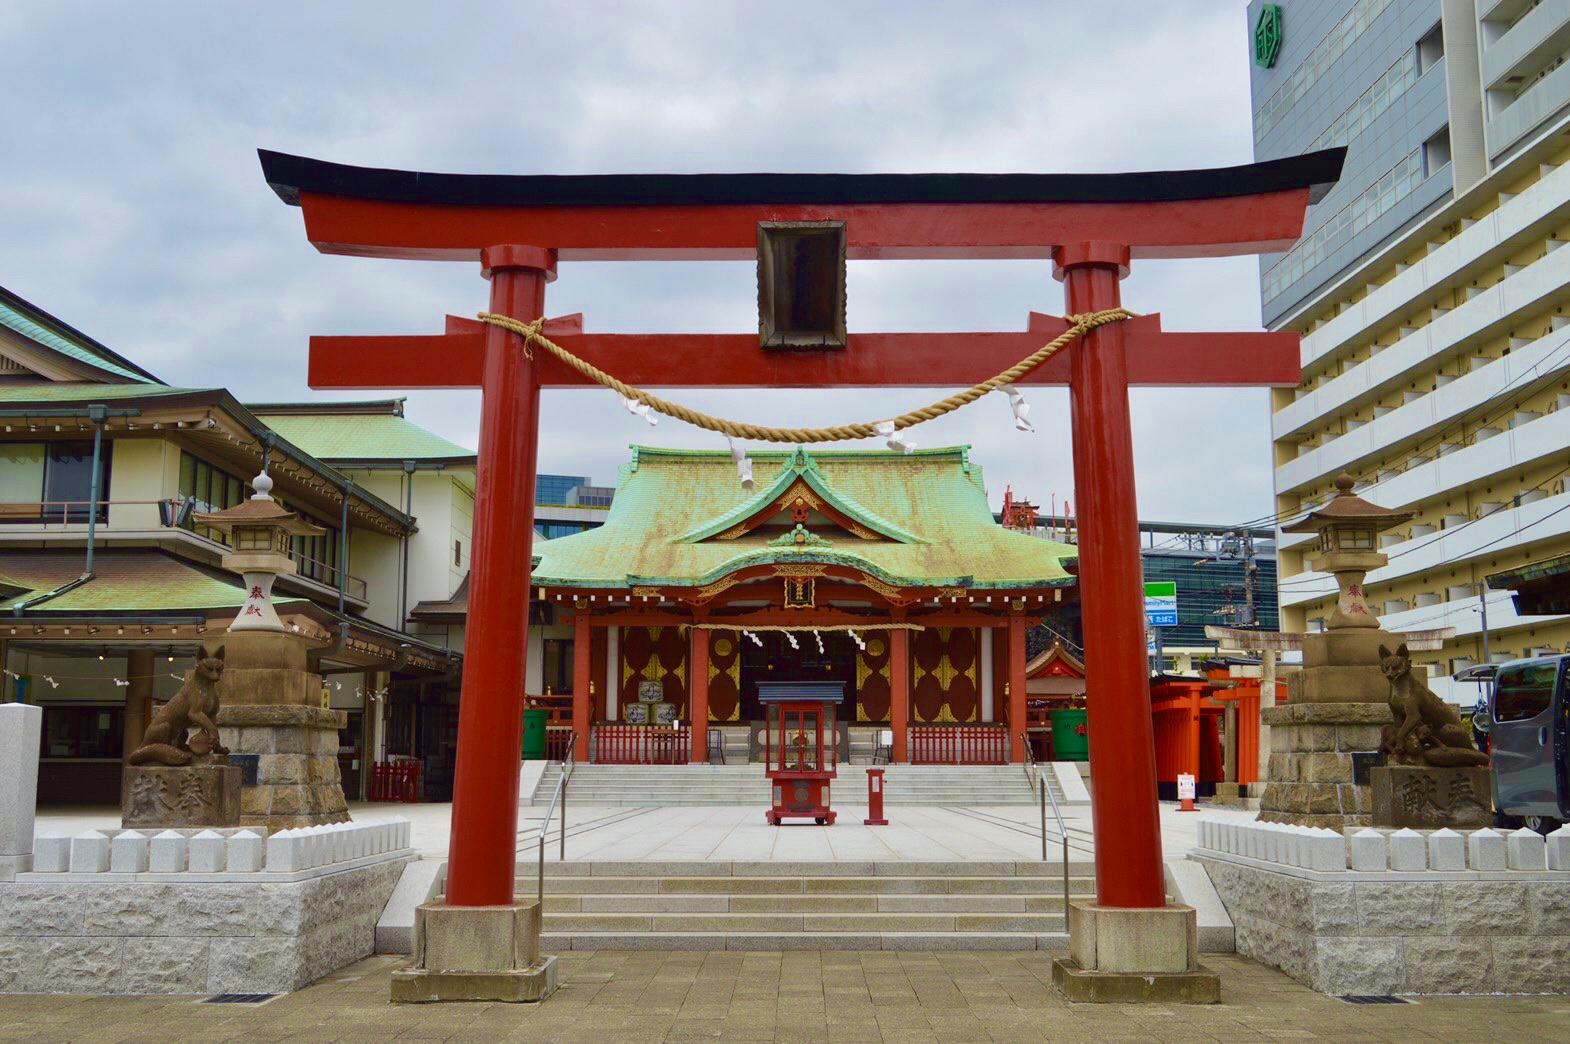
1132 955
476 953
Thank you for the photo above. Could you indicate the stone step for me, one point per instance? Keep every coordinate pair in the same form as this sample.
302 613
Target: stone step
806 886
772 941
877 923
803 904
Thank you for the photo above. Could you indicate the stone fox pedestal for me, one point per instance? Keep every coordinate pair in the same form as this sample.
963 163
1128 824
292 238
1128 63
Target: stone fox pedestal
1428 798
205 795
272 719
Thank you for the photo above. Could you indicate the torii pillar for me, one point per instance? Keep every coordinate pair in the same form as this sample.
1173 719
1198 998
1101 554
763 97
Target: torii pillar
1129 945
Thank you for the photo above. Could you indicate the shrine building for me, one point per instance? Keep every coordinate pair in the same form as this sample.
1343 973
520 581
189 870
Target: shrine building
882 571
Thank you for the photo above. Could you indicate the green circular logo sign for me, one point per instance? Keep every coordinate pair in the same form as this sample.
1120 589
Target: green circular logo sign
1267 36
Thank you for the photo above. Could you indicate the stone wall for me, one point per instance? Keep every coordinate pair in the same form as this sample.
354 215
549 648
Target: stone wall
222 917
1390 931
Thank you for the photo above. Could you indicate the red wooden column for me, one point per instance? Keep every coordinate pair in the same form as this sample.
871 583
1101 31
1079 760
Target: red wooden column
582 685
1016 689
490 712
899 693
1122 741
698 694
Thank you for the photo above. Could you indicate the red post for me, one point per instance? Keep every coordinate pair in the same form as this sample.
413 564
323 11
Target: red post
582 682
1122 742
481 854
875 798
1016 689
899 693
698 694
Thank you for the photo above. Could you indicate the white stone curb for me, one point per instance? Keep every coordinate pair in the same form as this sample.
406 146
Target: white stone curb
1374 851
223 852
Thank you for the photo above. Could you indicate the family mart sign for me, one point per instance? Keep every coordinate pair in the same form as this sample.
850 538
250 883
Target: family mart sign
1161 603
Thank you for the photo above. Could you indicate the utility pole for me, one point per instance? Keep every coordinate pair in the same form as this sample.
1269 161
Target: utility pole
1482 605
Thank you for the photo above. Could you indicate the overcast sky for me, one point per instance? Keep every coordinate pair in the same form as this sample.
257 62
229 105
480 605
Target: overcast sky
135 209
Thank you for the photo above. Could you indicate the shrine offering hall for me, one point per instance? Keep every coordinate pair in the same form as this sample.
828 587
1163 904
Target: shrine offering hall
883 572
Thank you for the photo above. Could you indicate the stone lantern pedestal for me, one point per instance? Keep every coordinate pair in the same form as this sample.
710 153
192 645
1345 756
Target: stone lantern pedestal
277 731
1323 739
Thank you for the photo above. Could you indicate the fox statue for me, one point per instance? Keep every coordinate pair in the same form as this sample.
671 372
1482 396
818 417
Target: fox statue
195 705
1426 730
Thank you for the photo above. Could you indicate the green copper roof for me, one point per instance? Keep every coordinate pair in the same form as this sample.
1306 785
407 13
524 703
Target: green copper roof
360 436
931 507
67 392
803 466
14 319
142 581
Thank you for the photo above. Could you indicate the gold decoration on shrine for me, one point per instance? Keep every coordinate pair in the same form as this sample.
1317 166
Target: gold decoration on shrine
805 569
800 592
645 592
580 603
889 591
723 646
877 646
951 592
708 591
651 670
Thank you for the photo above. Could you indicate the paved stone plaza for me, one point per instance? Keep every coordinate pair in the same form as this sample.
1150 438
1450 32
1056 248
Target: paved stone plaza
898 997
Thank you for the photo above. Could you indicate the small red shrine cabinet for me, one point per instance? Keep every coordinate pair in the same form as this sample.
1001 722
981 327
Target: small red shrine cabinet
800 763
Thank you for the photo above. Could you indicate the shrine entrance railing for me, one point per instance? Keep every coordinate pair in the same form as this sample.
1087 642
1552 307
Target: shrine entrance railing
642 744
959 745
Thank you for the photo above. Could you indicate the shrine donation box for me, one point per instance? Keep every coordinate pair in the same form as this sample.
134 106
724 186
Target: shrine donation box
802 755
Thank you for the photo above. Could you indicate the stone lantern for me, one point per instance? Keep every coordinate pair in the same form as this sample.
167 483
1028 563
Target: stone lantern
1348 529
272 718
259 531
1324 741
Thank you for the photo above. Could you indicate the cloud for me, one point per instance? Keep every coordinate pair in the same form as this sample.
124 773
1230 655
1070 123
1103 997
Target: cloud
136 210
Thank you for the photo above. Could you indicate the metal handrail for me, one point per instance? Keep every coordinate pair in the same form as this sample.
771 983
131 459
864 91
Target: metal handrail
1039 783
561 793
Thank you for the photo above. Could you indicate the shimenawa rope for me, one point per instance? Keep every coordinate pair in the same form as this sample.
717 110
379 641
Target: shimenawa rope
1079 325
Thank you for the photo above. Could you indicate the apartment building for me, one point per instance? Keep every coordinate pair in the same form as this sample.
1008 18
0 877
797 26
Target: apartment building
1432 297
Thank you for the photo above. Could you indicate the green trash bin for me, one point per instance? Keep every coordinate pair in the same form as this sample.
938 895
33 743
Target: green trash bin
1069 739
534 734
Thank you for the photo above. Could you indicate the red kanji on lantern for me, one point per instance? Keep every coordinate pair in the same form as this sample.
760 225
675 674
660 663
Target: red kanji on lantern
256 592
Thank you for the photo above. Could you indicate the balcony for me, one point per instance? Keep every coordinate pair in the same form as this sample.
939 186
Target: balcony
1513 224
56 522
1538 359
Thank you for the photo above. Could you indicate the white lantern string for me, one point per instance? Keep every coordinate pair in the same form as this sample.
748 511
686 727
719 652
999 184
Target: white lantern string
792 639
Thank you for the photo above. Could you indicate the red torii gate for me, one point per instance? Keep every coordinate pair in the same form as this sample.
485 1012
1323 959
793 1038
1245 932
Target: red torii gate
519 227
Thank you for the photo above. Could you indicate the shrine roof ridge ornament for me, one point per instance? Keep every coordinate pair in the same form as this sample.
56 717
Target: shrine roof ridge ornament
290 175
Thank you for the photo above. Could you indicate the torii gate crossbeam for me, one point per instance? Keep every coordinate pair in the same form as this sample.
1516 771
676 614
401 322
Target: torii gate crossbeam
520 227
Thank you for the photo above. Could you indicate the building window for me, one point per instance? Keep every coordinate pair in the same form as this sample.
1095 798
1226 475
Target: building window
51 481
457 552
212 488
21 480
81 731
1436 152
1430 49
215 489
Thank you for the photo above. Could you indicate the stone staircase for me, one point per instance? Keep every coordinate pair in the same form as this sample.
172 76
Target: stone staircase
745 784
794 906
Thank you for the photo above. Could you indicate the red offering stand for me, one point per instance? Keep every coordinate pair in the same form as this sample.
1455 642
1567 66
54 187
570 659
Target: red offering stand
800 763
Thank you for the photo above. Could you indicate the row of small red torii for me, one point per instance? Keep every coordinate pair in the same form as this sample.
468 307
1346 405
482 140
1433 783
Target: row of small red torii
519 228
